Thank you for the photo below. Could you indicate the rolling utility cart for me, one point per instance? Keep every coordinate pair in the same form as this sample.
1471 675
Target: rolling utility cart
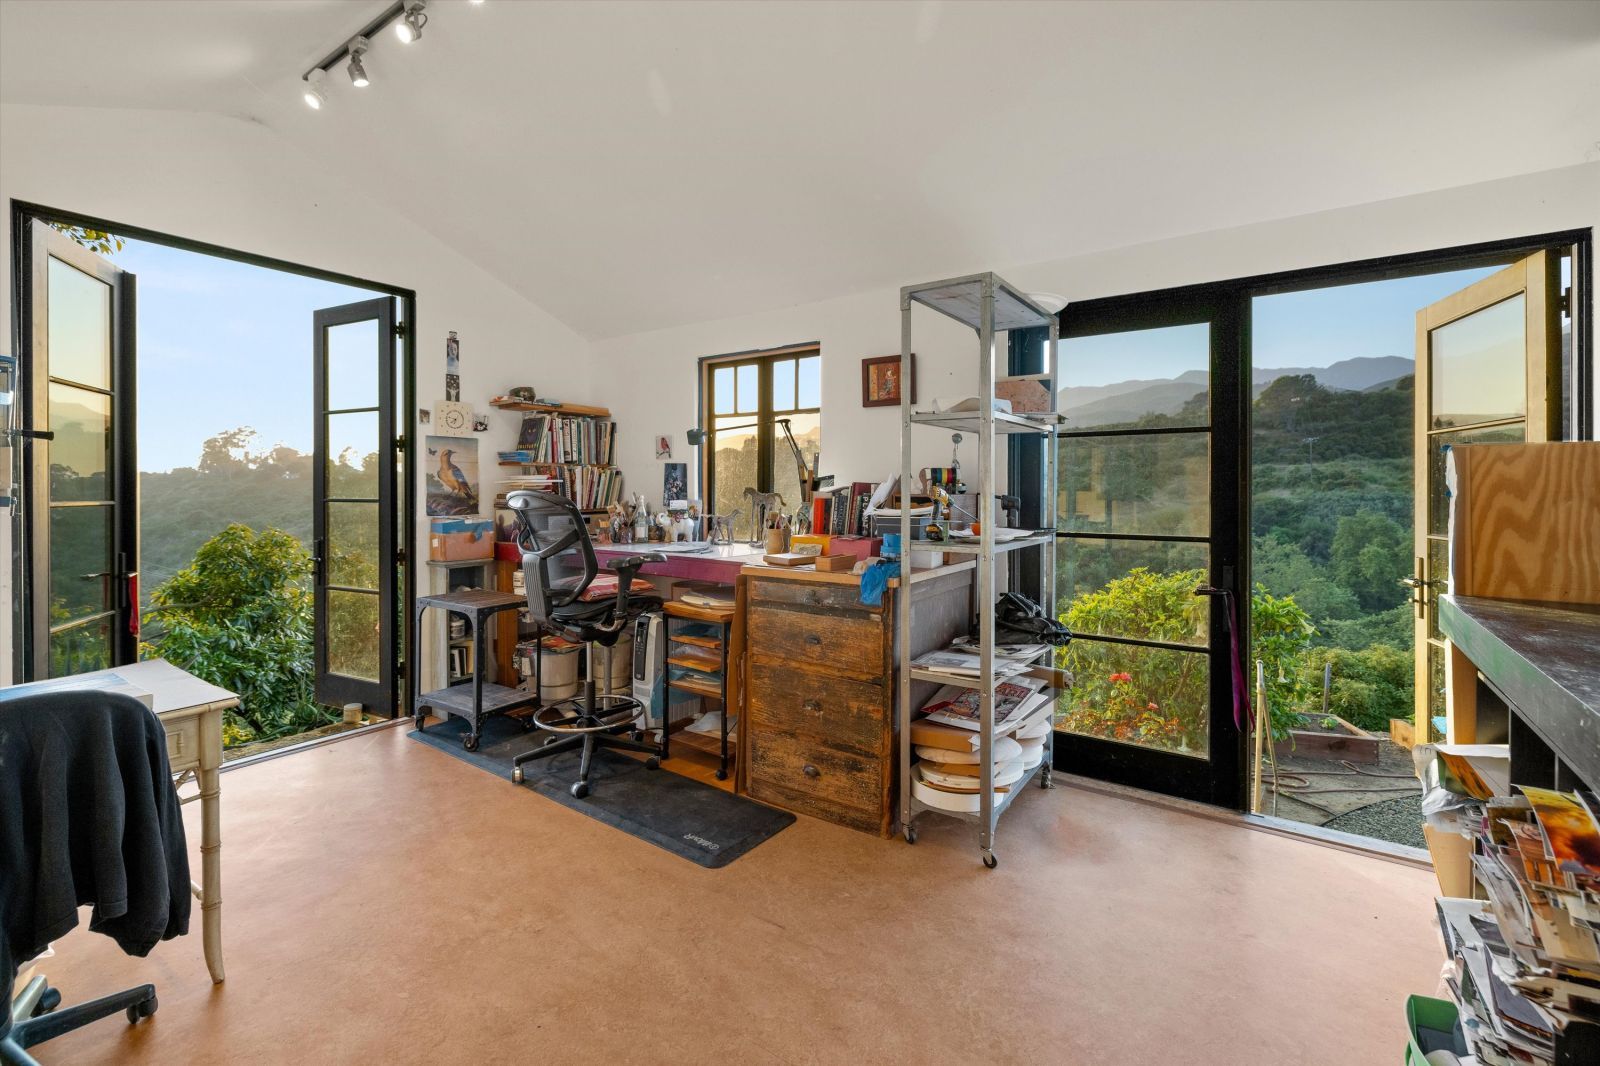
988 305
477 699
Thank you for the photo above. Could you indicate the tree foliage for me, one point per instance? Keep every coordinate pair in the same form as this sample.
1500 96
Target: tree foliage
98 241
240 616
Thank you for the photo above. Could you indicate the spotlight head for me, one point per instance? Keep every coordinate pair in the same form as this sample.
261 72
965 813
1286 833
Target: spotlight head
409 28
695 437
312 94
358 73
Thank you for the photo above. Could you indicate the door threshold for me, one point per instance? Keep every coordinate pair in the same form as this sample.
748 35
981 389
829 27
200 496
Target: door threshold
1417 858
315 742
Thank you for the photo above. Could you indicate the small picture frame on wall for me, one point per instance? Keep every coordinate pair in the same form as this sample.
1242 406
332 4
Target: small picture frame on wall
663 447
881 380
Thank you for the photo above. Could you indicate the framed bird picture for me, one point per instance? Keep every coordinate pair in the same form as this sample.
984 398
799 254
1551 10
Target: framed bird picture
451 466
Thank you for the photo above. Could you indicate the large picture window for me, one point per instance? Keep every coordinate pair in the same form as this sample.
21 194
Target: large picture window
748 400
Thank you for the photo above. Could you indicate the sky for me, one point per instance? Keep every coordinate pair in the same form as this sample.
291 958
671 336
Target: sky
221 344
1316 327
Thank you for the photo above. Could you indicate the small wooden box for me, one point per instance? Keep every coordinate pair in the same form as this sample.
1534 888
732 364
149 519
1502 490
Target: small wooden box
835 563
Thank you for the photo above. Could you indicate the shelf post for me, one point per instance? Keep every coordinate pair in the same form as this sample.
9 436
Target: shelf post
986 563
902 604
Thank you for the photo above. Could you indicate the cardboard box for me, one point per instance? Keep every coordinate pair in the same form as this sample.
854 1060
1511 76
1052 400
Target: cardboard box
809 543
860 547
457 539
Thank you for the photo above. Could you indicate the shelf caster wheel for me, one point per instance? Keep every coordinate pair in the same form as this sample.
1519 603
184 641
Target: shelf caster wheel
910 832
722 775
47 1002
469 742
653 763
516 775
989 860
579 790
141 1010
1045 782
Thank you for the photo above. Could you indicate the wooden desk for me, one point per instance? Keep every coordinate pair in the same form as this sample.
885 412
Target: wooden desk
191 712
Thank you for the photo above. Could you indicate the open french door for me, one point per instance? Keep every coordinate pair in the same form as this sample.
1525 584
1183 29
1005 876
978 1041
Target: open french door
354 500
1488 371
79 607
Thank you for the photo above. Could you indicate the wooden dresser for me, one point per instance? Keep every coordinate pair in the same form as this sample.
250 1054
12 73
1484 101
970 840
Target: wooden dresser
818 729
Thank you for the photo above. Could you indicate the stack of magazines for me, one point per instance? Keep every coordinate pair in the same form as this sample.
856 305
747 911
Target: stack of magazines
1525 961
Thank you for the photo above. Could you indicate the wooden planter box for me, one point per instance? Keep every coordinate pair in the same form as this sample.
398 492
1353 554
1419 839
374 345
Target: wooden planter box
1342 741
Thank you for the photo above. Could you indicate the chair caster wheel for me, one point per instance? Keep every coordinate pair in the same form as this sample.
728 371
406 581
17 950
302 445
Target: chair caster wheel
141 1010
579 790
653 763
637 736
516 775
47 1002
469 742
989 860
910 832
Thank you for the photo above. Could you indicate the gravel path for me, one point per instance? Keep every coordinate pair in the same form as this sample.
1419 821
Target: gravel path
1395 820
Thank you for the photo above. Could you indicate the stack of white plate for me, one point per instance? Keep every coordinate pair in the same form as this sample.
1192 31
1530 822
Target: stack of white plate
1031 737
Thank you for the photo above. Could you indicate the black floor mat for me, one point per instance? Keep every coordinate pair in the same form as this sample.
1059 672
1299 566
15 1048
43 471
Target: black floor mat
702 824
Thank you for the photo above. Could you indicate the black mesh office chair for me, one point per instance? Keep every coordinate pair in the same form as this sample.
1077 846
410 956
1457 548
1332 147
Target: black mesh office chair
558 566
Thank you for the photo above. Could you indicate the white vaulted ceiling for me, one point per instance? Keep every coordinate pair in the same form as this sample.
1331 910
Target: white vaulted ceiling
634 166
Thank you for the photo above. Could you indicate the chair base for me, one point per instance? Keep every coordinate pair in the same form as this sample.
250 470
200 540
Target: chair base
588 732
35 1018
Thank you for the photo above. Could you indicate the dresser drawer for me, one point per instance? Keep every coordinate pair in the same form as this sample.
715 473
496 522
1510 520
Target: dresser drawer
784 592
847 645
803 774
183 742
842 713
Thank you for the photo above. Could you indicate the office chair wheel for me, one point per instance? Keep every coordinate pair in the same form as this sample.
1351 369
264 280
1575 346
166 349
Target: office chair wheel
579 789
516 775
637 736
141 1010
653 763
469 742
990 860
47 1002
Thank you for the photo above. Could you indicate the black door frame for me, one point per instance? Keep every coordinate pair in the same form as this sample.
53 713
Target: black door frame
1232 367
24 212
32 642
331 689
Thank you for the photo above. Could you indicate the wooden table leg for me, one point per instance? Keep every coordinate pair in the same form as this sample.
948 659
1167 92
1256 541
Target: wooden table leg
211 839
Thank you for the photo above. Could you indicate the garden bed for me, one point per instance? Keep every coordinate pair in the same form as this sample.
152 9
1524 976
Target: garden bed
1327 736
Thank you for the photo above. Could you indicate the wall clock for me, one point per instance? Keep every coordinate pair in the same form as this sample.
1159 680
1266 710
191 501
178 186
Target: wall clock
452 417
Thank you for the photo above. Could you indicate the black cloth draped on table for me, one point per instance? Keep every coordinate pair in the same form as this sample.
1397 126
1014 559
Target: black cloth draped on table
88 816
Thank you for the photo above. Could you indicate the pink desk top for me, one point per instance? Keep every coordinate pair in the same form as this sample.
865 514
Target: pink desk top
720 563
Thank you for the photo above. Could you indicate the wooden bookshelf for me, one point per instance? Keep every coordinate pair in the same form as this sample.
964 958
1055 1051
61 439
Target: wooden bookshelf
577 409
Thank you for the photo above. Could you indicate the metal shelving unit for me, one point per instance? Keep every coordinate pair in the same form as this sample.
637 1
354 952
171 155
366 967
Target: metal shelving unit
988 305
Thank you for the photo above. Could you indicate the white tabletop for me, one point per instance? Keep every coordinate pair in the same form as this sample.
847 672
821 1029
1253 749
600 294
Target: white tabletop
171 688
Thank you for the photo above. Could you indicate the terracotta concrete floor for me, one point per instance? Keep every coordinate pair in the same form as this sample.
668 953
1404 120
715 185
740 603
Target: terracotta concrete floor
384 902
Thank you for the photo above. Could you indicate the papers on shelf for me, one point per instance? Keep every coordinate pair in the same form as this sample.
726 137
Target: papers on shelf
705 598
1014 703
965 662
1028 653
1002 534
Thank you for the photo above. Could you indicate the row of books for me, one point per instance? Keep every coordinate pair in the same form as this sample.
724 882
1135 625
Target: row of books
1525 961
547 438
592 488
843 512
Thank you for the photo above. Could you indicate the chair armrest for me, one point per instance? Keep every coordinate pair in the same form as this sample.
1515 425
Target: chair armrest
626 570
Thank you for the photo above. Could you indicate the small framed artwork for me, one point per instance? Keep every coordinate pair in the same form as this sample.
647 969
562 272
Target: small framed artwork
881 380
663 447
674 483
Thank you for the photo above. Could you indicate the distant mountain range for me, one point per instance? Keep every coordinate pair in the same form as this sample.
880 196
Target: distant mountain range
1125 401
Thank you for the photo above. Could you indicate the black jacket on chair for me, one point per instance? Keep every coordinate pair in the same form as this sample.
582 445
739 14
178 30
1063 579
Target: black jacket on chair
88 816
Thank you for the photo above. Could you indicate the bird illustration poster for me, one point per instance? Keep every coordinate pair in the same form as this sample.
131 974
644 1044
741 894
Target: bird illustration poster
452 475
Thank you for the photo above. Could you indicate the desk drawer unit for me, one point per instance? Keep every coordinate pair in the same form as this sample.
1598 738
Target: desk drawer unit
818 724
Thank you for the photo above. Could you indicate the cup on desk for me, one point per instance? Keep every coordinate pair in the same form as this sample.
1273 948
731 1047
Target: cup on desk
777 541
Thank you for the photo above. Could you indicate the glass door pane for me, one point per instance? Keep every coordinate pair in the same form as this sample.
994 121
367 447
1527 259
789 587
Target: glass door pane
80 615
354 501
1134 514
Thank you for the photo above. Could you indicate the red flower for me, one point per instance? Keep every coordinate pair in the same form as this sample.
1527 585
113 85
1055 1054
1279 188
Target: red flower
1122 677
1151 707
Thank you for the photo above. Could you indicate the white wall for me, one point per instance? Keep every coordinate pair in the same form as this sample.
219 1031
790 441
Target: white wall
238 184
649 378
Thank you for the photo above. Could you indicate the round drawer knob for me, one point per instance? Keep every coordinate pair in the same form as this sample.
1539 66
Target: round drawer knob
812 771
813 706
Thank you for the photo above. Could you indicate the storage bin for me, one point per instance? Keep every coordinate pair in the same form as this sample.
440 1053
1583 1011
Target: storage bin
455 539
1432 1025
621 666
558 666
